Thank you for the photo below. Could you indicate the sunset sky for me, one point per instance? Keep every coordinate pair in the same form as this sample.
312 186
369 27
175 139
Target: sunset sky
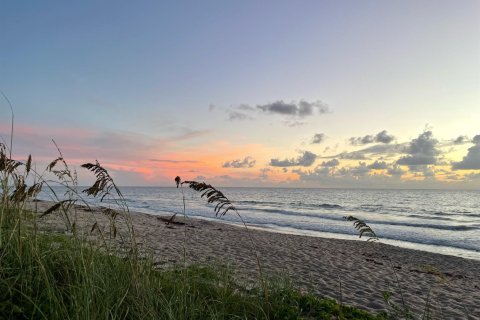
367 94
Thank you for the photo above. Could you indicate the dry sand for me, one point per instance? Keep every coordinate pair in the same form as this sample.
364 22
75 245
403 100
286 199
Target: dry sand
363 270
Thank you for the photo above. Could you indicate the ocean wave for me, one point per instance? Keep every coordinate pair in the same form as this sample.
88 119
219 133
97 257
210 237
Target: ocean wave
372 222
267 203
384 236
371 206
294 213
452 213
297 204
316 206
431 226
424 217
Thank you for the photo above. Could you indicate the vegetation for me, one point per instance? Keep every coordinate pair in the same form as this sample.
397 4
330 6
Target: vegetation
45 275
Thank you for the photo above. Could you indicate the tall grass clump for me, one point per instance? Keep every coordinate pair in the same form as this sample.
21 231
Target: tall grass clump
97 272
94 267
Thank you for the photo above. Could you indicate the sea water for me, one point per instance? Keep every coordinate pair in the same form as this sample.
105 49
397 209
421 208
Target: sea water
441 221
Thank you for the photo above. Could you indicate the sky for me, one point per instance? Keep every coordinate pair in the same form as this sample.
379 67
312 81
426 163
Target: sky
361 94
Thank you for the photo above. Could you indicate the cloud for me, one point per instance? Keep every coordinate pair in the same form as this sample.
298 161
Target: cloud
472 160
421 151
190 134
476 140
245 107
294 123
300 109
238 113
375 150
263 173
355 141
461 140
318 138
330 163
473 176
378 165
384 137
381 137
247 162
237 116
361 170
294 109
319 173
396 170
305 160
352 155
428 172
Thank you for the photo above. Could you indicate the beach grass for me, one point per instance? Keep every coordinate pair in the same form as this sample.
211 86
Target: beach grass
81 275
56 276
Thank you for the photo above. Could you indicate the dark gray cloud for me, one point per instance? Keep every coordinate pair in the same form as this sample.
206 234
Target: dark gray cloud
396 170
293 109
330 163
461 140
300 109
361 170
375 150
356 141
472 160
319 173
381 137
421 151
384 149
476 140
378 165
318 138
352 155
247 162
305 160
384 137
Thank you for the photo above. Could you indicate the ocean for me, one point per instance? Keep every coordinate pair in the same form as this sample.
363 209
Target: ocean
440 221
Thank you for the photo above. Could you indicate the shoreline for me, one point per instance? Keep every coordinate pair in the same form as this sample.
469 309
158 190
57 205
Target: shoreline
365 270
410 245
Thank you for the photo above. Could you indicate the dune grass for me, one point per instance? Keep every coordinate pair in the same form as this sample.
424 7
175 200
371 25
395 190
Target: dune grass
58 276
47 275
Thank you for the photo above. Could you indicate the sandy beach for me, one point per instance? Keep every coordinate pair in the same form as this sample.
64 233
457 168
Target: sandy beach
355 272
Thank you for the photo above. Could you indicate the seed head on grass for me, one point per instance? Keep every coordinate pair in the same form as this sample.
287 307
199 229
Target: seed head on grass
7 165
363 228
223 205
104 184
